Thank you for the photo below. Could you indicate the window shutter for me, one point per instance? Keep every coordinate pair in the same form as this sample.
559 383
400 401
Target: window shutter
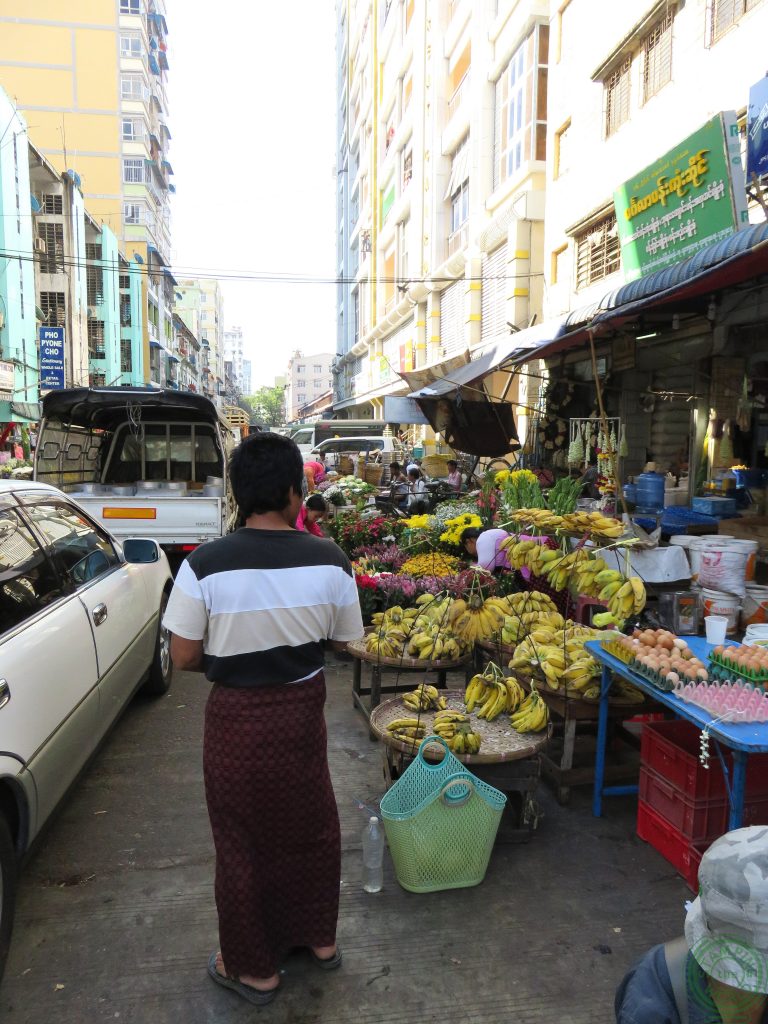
494 293
451 319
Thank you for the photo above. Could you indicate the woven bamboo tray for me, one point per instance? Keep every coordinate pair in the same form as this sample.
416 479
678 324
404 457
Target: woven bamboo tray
501 652
357 649
500 742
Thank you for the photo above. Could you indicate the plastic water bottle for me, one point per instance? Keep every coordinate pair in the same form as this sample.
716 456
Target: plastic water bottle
373 856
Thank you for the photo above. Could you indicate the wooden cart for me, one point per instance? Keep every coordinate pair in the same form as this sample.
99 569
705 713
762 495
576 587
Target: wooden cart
508 760
404 665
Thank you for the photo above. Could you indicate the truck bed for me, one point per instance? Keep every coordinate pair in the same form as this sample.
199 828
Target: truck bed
176 519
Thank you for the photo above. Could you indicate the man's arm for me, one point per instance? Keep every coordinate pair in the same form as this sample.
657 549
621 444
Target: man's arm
338 645
186 655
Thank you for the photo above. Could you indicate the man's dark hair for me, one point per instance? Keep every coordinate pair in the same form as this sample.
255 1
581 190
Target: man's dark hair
452 462
316 503
471 533
394 467
414 474
262 470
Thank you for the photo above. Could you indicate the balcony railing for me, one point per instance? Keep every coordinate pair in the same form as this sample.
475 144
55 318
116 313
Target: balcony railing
458 97
458 240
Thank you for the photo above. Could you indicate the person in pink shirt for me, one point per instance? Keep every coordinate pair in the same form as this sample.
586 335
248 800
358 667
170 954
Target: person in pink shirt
484 548
312 512
314 473
454 479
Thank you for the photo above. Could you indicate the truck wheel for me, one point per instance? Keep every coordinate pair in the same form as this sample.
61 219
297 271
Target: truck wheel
8 876
161 670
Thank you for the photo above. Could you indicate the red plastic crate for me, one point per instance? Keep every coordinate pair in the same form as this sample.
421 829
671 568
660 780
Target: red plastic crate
696 820
684 855
671 749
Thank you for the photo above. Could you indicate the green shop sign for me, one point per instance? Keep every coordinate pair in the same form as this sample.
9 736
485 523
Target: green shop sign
690 197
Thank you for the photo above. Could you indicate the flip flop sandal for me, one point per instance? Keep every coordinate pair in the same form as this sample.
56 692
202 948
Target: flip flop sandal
248 992
329 963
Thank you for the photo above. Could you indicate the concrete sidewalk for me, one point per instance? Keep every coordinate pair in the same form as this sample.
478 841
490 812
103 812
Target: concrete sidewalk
116 916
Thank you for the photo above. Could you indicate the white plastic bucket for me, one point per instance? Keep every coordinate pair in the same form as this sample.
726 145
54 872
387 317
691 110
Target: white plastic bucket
682 540
722 567
695 548
749 547
756 635
755 609
714 602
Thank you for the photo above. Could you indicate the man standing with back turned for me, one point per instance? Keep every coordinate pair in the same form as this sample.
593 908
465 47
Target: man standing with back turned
251 610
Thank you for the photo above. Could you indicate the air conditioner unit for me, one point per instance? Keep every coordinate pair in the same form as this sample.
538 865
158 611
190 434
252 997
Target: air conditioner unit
41 246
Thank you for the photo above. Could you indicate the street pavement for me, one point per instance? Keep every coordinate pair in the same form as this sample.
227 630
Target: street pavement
116 915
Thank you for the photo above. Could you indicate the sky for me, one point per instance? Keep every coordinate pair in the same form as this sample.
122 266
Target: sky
251 94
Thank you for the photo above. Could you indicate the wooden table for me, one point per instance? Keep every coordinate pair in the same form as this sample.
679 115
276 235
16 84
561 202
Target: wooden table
356 648
508 760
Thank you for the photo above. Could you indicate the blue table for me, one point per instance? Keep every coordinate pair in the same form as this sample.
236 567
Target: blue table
743 740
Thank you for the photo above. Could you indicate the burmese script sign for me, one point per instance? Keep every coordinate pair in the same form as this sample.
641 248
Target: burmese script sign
692 196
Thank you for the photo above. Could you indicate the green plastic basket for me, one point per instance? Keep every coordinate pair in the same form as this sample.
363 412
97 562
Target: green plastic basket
441 823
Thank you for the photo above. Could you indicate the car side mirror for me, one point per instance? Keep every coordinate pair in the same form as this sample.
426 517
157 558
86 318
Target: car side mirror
141 551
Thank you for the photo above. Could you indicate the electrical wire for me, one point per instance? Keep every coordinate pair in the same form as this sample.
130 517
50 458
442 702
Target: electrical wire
265 277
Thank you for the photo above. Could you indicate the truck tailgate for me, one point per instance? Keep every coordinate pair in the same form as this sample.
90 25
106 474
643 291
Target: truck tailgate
184 519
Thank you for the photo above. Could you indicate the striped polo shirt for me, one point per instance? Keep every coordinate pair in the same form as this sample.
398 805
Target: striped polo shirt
262 601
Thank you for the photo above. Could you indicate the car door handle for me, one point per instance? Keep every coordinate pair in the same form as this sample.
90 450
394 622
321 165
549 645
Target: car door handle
5 693
98 614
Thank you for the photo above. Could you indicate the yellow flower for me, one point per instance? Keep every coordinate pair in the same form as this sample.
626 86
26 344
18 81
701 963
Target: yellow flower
501 476
431 564
417 522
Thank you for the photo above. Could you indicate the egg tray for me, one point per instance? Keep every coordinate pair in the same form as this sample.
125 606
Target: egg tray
653 677
721 668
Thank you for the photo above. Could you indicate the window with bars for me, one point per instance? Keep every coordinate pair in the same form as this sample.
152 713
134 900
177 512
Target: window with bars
53 236
125 282
598 253
94 274
133 170
657 57
125 311
616 90
96 349
725 14
52 204
53 305
97 379
126 357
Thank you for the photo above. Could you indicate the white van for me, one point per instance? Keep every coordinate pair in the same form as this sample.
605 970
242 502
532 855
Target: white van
329 452
309 435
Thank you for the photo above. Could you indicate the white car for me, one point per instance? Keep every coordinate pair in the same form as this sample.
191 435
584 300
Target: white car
80 632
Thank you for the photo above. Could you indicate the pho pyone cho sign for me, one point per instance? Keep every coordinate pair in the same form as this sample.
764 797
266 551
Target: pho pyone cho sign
692 196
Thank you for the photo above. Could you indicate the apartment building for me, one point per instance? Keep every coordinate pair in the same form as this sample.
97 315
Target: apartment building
234 353
246 377
201 305
306 379
91 80
442 135
64 272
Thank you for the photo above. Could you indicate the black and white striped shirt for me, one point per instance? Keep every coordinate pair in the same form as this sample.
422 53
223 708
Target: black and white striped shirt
262 601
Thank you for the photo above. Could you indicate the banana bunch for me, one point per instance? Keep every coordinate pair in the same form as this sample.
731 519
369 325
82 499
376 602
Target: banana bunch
434 644
625 691
624 597
424 698
465 742
407 730
593 522
493 693
560 656
385 644
516 627
541 518
475 619
448 723
532 715
525 601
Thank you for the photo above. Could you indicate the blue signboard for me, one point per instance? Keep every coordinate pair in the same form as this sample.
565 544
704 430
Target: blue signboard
51 358
757 130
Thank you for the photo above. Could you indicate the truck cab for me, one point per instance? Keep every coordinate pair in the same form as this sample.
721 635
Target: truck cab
144 462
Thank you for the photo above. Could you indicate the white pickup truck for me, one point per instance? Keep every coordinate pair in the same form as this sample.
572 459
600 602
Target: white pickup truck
143 462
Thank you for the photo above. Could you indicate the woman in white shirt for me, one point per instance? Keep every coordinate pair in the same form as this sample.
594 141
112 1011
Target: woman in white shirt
417 489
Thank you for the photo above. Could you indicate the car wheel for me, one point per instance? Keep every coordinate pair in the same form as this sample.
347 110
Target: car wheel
8 872
161 670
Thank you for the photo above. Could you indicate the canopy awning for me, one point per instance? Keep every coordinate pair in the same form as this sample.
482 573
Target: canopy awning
163 60
492 359
154 343
154 67
169 275
459 170
173 357
427 374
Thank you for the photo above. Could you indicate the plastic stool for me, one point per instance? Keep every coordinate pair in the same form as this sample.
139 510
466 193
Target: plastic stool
584 605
